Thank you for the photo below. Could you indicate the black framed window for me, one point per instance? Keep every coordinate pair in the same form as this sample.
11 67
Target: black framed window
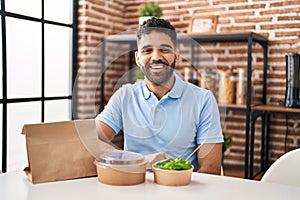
39 64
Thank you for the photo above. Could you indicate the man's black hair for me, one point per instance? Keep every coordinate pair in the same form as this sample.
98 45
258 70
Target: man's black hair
159 25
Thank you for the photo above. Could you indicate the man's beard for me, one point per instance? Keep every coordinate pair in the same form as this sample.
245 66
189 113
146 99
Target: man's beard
159 77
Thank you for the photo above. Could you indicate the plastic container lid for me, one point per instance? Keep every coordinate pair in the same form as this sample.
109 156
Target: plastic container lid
121 158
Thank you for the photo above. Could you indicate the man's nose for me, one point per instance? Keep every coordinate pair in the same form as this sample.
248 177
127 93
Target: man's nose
156 55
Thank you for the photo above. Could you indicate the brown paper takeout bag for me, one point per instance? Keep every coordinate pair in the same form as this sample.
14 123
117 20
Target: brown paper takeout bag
57 150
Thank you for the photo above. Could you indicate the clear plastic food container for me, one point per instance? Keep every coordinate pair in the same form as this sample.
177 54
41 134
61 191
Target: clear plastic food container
121 168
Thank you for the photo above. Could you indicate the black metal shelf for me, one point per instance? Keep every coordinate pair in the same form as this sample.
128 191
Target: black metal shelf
265 111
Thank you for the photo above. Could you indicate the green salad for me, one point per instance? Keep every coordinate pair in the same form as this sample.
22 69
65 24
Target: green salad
173 164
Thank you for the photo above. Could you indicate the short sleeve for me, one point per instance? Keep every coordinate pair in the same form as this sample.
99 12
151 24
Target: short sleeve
112 113
209 128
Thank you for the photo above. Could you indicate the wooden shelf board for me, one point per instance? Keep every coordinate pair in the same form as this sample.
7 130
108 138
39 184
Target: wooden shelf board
275 108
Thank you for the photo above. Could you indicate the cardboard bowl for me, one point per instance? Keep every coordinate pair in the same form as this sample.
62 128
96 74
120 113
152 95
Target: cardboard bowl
121 168
172 177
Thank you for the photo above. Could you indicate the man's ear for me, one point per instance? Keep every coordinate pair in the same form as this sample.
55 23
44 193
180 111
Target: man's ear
176 57
137 58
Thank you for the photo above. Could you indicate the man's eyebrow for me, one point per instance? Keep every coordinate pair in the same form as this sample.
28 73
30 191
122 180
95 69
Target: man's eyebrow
166 45
146 46
162 45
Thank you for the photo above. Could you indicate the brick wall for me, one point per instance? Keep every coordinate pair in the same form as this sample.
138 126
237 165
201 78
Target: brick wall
277 20
97 19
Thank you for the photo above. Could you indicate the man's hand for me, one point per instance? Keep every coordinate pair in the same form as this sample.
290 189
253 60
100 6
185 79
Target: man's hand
155 157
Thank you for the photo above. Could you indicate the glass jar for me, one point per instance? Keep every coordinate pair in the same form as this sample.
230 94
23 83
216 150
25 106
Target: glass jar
226 94
241 87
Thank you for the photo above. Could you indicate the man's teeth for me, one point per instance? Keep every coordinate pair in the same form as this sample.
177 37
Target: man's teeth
157 66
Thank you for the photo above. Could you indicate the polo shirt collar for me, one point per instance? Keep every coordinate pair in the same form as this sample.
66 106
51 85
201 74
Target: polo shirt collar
146 91
178 87
175 92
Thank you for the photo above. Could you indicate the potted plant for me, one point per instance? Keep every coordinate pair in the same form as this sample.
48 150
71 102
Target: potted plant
149 10
226 145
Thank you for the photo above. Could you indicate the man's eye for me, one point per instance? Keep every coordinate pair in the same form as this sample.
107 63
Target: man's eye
165 50
146 50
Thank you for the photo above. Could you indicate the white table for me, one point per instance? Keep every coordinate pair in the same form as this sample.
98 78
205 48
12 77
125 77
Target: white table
15 185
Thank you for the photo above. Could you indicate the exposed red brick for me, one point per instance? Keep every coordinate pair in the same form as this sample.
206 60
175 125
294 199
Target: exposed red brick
197 4
253 20
210 11
285 3
276 59
247 7
289 18
223 21
280 26
242 28
285 41
222 2
288 33
285 51
280 11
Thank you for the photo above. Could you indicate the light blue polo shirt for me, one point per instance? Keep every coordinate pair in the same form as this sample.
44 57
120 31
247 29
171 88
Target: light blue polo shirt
175 124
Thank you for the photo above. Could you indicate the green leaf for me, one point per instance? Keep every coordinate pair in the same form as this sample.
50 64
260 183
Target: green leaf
174 164
150 9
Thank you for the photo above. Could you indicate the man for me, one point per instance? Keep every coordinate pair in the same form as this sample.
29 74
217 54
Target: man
163 115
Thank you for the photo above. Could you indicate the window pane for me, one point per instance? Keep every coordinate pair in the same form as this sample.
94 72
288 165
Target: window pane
23 58
60 11
29 7
57 60
18 115
59 110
